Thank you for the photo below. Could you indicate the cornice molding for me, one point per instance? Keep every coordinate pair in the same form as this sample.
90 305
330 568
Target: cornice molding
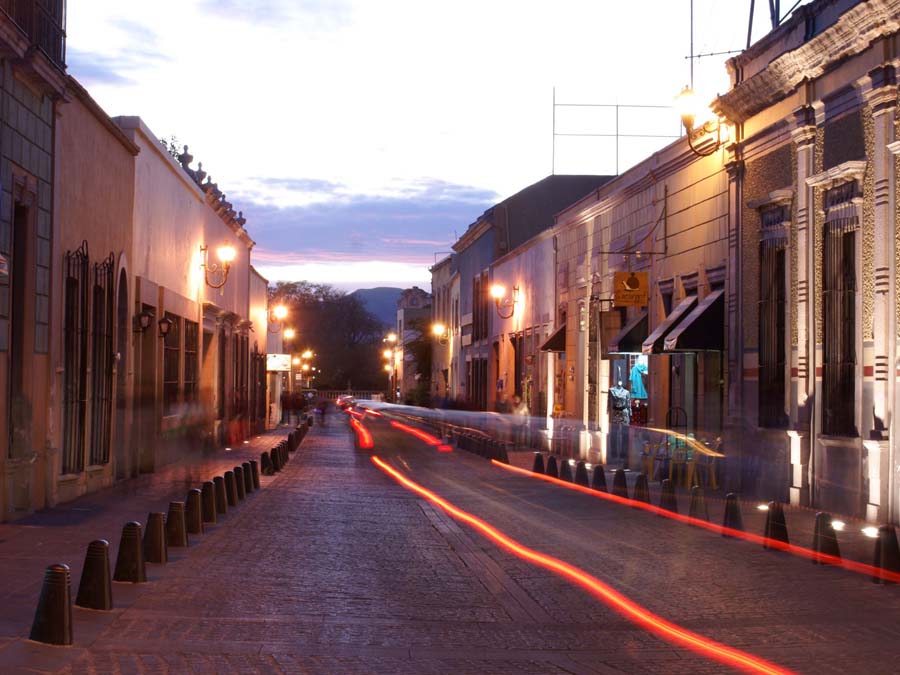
852 170
853 33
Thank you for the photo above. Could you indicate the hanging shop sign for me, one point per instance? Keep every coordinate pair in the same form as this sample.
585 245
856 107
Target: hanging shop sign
631 289
278 363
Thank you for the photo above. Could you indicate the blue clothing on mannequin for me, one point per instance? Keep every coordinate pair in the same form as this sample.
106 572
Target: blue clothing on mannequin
638 370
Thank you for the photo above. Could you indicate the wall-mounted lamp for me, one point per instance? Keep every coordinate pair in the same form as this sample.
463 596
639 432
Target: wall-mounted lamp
439 331
687 106
391 337
165 325
277 315
142 321
220 270
506 307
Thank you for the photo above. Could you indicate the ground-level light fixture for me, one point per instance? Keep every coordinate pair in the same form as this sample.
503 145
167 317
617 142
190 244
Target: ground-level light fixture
686 102
506 306
871 531
216 273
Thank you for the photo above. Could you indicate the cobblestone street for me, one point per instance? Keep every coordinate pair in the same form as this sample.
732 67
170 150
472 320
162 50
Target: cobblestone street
332 567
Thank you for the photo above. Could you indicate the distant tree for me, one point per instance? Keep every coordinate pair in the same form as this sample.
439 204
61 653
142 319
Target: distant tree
345 337
172 145
421 349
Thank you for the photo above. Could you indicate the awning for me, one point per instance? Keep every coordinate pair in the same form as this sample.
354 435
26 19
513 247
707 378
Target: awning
703 329
654 343
630 339
556 342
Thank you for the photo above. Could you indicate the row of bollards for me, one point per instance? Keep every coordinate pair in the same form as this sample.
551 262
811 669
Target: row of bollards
825 543
482 445
53 618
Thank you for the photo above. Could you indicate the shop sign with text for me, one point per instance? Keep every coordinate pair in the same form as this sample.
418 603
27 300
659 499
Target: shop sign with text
631 289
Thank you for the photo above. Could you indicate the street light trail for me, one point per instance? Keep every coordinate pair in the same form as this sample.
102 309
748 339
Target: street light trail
643 617
793 549
418 433
363 436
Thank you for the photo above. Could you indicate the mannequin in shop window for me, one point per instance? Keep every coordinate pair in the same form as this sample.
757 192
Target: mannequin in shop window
620 419
639 396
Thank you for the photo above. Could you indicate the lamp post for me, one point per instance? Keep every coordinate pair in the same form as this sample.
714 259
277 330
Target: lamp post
506 307
686 102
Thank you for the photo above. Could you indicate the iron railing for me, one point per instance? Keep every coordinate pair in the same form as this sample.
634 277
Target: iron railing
43 21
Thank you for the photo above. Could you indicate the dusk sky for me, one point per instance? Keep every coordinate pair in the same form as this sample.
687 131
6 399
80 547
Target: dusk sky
360 139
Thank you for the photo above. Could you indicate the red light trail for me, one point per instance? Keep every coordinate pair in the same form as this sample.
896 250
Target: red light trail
641 616
362 435
799 551
418 433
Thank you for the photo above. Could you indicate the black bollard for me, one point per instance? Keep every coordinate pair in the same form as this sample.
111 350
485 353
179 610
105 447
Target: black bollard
239 482
53 618
502 456
248 478
598 480
581 475
155 549
620 484
265 463
887 554
667 498
95 589
552 471
641 491
254 472
193 513
698 508
776 527
565 470
230 489
176 526
209 502
130 560
733 519
221 498
538 466
825 541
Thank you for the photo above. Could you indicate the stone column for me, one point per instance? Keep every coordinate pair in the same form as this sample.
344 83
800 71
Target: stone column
802 382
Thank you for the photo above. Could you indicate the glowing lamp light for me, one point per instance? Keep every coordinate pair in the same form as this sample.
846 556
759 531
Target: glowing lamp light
838 525
296 360
305 367
686 103
289 334
498 291
438 329
871 532
280 312
762 507
307 354
387 353
506 307
391 337
387 367
226 254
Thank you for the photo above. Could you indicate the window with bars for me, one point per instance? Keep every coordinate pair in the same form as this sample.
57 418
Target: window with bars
772 298
839 287
102 360
171 364
191 337
75 358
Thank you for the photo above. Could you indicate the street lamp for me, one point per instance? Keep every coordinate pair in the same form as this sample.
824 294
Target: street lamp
289 333
276 317
687 106
439 331
220 269
506 307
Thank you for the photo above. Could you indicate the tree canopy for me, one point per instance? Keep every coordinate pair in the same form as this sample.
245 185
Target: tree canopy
344 336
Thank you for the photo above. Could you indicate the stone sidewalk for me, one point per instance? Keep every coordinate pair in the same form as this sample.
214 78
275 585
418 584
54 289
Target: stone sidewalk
61 534
800 520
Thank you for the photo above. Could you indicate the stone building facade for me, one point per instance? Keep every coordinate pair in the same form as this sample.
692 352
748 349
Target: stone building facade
32 85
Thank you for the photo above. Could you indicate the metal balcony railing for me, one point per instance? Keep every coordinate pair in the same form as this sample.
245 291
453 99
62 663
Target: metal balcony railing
43 21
